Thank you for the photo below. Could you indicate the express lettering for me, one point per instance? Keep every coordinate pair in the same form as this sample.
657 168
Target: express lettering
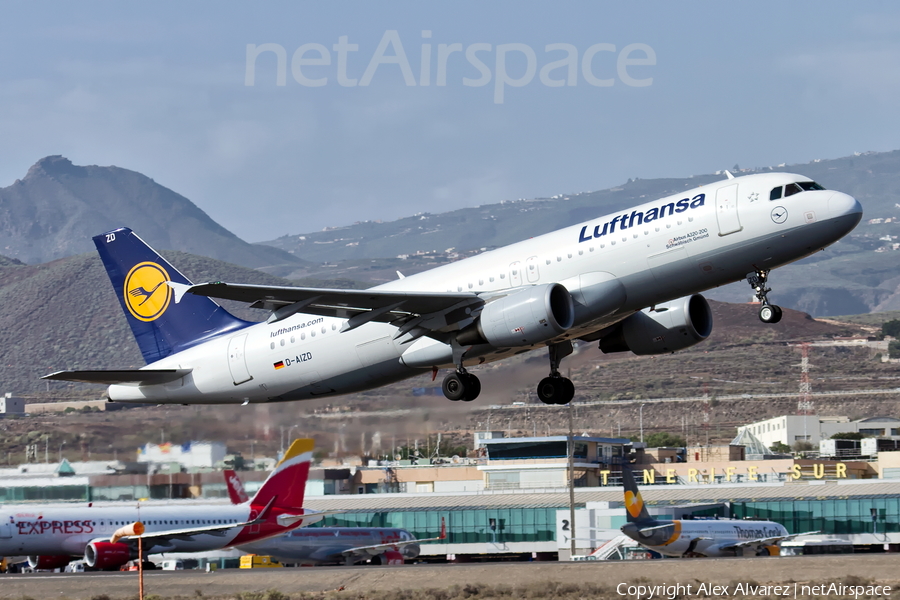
63 527
657 212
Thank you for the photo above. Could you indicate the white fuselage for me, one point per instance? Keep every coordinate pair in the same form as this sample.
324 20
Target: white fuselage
706 537
710 236
67 530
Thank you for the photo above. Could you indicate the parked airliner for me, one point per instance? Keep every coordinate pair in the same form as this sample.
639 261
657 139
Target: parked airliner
107 536
331 545
698 537
628 280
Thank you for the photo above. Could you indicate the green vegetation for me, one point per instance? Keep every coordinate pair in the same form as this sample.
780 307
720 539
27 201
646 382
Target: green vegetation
848 435
780 448
891 328
894 349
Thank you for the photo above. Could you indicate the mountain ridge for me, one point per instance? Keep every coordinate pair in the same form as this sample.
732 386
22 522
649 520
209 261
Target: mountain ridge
57 207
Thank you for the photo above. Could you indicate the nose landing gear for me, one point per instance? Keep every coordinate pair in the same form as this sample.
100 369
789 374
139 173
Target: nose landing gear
768 313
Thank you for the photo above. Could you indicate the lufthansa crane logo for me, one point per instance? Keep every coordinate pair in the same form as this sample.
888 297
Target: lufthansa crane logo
146 294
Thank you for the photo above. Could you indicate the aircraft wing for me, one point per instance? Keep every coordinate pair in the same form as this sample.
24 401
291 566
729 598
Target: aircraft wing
113 377
429 311
159 538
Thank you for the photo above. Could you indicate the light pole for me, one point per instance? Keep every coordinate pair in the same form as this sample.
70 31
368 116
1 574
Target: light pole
289 430
642 422
60 451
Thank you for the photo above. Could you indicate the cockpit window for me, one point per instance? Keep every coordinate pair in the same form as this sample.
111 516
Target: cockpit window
794 188
791 189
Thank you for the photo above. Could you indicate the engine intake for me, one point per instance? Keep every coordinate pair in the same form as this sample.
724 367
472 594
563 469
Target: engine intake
108 555
669 327
526 316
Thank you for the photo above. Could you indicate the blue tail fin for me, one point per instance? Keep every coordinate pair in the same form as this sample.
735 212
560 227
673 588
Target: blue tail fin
160 326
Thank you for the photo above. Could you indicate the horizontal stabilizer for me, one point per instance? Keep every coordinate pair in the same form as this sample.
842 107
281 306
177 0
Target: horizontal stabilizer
113 377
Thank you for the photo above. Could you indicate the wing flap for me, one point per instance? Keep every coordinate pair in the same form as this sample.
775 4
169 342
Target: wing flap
113 376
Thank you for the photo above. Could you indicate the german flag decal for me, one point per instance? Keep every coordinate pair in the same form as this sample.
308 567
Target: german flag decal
279 365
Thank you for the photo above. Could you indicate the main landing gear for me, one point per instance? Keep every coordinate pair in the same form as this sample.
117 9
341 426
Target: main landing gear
768 313
557 389
460 385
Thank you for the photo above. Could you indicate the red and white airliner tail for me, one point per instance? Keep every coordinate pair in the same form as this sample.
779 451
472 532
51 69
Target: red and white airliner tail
282 483
236 491
108 536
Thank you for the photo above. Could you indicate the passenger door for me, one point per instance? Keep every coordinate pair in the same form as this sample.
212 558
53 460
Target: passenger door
727 210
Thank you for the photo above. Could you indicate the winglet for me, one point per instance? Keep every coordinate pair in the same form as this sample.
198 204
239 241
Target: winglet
179 289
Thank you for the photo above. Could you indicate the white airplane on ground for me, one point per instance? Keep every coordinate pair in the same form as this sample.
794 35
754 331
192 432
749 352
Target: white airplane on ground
107 536
628 280
330 545
698 537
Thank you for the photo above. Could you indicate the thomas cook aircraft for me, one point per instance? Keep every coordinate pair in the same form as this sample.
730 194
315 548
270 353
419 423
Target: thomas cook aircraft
628 280
108 536
698 537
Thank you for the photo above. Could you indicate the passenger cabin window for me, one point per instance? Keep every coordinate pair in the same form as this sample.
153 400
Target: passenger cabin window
775 194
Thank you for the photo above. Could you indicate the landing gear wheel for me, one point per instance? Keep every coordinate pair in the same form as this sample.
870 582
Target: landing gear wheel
453 387
769 313
568 390
556 390
547 390
461 386
472 385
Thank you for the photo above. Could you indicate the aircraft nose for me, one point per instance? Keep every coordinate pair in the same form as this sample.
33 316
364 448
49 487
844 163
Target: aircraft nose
841 204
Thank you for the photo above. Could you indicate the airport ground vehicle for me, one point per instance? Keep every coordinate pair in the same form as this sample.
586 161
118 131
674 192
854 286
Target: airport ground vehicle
255 561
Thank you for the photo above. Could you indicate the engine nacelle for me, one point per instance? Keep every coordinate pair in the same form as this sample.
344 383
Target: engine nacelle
47 563
108 555
390 557
668 327
527 316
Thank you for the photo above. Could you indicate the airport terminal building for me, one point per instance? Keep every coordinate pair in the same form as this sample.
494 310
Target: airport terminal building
513 502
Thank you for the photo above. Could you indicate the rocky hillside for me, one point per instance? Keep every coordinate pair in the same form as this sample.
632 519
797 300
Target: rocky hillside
57 207
65 315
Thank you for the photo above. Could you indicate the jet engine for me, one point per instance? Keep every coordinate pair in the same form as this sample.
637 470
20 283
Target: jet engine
391 557
523 317
108 555
661 329
46 563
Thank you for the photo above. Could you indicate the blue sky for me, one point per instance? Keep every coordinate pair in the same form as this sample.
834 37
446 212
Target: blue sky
678 89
